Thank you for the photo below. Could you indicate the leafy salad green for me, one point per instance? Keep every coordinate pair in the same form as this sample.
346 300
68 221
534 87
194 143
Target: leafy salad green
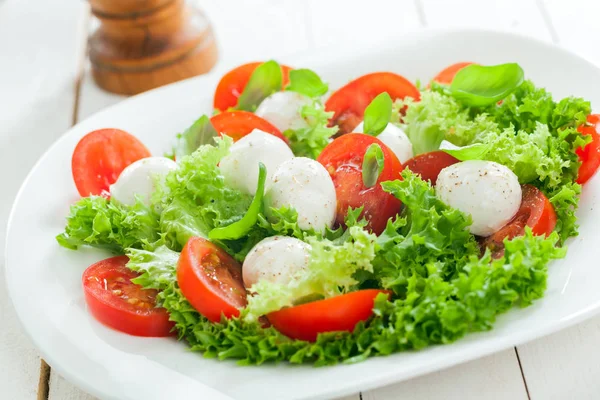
441 284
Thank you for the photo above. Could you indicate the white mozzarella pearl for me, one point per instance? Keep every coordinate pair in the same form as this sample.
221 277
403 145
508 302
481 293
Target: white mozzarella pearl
240 166
488 191
275 259
305 185
282 109
139 179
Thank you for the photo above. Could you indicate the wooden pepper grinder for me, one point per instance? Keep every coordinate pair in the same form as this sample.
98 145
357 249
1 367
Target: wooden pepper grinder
143 44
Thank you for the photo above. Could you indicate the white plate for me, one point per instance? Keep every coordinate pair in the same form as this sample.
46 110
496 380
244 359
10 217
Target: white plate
44 279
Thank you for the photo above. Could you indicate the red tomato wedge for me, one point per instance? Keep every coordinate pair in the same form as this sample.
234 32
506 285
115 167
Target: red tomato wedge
343 160
117 302
210 280
446 76
536 211
590 154
101 156
238 124
349 102
232 84
429 165
337 314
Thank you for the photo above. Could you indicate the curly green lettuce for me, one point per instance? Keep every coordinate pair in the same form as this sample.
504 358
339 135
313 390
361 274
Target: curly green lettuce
428 234
195 199
312 139
530 133
330 272
190 201
433 310
436 117
530 105
98 222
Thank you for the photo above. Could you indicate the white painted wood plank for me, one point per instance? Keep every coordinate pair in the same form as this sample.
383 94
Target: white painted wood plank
257 29
61 389
576 25
519 16
564 365
494 377
39 68
360 22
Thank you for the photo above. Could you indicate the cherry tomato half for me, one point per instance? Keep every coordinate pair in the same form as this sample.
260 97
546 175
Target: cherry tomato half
232 84
210 280
337 314
446 75
101 156
349 102
119 303
343 160
238 124
536 211
429 165
590 154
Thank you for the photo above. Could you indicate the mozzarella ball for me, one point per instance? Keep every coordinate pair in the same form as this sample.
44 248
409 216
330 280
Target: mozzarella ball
240 166
282 109
276 259
446 145
394 138
488 191
305 185
139 179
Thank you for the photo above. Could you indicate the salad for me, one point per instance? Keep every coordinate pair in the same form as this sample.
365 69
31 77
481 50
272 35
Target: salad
388 217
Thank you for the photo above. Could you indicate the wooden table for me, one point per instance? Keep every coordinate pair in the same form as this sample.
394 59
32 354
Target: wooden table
45 88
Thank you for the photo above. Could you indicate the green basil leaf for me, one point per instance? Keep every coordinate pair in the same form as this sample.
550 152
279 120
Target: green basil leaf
372 165
241 228
378 114
475 151
479 86
264 81
307 82
201 132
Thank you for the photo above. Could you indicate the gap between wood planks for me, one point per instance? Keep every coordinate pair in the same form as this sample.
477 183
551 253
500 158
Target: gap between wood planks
43 391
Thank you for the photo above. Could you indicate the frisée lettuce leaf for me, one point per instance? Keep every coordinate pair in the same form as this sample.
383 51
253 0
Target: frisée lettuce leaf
530 133
98 222
330 272
310 140
437 116
433 310
195 199
428 234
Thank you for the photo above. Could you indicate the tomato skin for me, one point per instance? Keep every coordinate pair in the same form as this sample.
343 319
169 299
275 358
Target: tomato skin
590 154
429 165
232 84
536 211
349 102
238 124
446 75
343 160
336 314
211 280
132 310
101 156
